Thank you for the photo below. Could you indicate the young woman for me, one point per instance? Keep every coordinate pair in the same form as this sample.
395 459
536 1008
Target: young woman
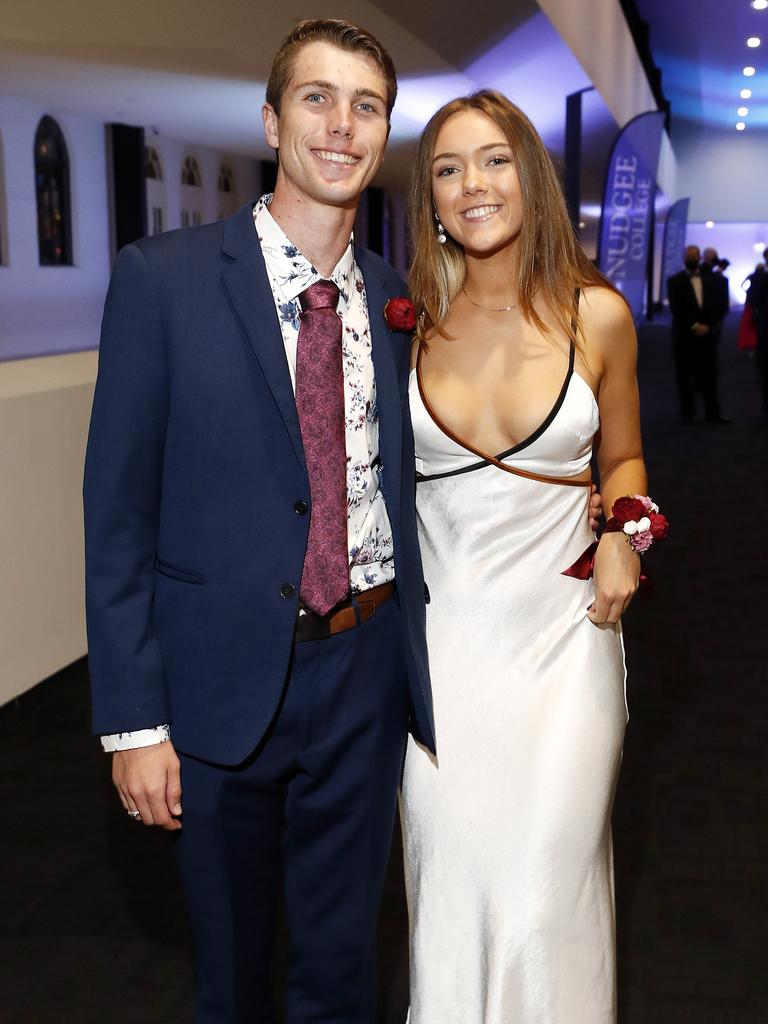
524 364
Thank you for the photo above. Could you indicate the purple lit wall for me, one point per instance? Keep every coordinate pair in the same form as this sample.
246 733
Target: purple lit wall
742 244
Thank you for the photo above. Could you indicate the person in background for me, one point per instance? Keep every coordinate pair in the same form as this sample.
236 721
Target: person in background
746 340
759 302
698 305
711 263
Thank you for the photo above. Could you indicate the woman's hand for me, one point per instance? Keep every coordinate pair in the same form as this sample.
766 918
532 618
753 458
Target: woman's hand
617 576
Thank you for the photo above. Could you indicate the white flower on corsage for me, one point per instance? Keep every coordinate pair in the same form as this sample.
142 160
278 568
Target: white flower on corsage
637 526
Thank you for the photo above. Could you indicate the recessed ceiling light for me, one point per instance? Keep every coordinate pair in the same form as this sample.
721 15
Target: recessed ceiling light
760 5
748 71
709 224
742 111
746 94
582 224
759 246
740 126
753 42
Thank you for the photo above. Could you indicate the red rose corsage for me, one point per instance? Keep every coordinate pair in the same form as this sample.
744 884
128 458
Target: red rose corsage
400 315
638 518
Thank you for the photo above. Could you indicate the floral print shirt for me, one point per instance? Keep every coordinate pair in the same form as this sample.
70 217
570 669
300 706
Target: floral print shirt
371 555
289 272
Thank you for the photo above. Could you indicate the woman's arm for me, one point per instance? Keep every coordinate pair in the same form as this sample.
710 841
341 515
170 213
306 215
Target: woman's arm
611 345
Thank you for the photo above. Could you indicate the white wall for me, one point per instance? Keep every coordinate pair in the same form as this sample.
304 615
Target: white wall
597 34
172 153
3 208
723 172
45 405
52 309
45 402
45 310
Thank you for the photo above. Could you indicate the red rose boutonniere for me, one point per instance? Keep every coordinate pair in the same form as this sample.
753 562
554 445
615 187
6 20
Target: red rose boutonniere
400 315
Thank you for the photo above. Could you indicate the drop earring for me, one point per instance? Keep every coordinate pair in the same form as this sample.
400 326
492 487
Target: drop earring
441 236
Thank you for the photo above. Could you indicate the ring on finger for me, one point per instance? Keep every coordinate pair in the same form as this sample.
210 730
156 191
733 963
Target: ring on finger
134 814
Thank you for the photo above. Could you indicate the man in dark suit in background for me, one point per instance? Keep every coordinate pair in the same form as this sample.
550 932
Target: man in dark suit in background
255 595
758 299
698 306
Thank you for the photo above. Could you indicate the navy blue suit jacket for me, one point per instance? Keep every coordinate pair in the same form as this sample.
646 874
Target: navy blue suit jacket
194 467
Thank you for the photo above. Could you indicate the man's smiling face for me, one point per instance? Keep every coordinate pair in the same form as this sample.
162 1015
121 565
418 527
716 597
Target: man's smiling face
332 127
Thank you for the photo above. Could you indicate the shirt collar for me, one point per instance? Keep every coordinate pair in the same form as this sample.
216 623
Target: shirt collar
290 269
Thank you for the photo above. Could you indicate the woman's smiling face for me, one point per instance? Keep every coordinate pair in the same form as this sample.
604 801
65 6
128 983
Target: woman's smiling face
475 184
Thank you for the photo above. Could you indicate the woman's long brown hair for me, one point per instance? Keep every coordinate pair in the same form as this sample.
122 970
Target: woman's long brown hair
551 264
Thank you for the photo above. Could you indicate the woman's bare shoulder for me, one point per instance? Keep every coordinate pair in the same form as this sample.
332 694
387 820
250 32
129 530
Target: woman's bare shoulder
606 321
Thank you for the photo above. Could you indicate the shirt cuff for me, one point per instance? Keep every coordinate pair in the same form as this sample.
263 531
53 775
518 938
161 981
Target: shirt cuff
140 738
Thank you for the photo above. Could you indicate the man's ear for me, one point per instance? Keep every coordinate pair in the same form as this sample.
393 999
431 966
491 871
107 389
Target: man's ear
271 126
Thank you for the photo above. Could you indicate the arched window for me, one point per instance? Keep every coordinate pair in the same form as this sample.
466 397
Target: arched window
190 173
227 190
54 230
191 193
153 169
155 189
226 179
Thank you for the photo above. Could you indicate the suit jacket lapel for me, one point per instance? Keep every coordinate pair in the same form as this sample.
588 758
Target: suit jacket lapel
378 289
246 282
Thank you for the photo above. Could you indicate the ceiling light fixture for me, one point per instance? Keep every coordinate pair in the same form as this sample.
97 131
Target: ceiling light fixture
709 224
753 42
742 111
748 71
760 5
746 94
740 126
758 246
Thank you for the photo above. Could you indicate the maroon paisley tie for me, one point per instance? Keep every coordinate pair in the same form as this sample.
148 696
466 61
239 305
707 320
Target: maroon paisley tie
320 404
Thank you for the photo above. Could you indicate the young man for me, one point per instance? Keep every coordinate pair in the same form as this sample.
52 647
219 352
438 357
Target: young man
254 587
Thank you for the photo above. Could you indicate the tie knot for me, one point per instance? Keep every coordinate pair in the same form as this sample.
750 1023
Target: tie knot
321 295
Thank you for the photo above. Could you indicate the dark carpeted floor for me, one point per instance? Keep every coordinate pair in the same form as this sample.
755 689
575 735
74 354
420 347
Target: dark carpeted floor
91 922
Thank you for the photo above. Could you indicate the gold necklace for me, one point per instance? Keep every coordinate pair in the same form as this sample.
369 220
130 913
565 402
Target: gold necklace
487 309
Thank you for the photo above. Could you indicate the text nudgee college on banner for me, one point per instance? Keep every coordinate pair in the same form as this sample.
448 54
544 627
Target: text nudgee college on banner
628 199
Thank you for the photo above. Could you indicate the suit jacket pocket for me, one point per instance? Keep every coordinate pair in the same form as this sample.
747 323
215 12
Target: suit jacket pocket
177 573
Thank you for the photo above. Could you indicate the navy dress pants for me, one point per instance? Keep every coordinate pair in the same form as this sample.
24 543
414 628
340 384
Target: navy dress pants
313 809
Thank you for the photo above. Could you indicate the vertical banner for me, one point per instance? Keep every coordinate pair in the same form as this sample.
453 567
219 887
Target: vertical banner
625 223
675 228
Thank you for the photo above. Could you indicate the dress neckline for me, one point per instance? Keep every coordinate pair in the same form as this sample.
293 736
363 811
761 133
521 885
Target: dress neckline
521 445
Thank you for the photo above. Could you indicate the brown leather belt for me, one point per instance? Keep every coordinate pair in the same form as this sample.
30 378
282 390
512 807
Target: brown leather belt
353 612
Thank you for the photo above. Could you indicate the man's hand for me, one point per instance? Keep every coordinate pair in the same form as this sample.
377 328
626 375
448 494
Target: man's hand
148 780
700 330
595 508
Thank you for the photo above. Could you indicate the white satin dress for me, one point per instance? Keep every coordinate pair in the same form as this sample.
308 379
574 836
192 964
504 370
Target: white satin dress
507 839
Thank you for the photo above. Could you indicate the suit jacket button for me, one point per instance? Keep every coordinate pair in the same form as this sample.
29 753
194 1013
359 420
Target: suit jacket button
287 590
301 508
